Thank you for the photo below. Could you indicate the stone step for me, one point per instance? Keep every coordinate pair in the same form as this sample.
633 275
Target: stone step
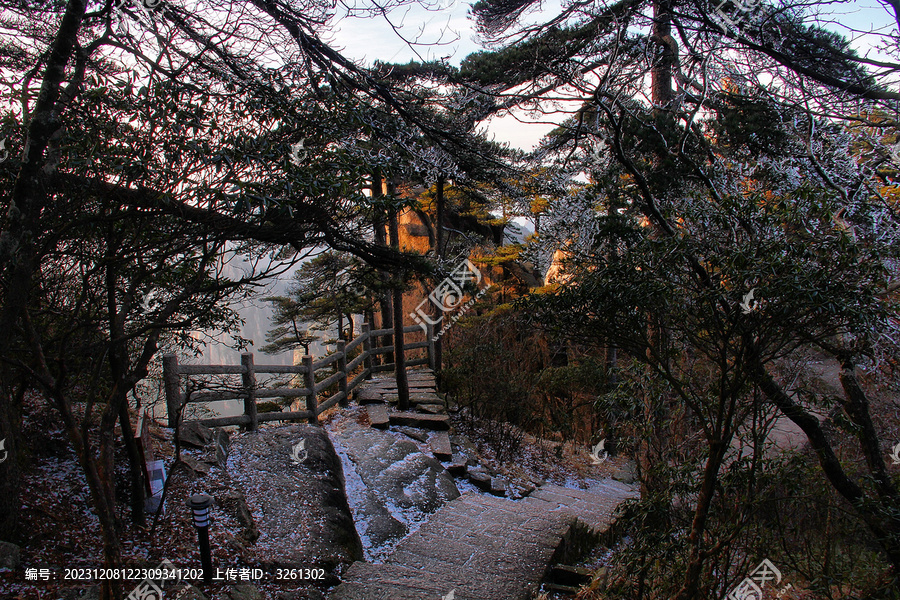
419 381
480 479
424 421
569 575
415 396
458 466
420 435
566 590
594 508
440 446
367 581
378 415
499 486
426 398
369 395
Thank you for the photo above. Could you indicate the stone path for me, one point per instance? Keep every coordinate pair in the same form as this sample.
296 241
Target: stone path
483 548
429 410
477 547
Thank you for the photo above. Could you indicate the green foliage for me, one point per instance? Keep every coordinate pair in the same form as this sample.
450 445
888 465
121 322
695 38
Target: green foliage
326 292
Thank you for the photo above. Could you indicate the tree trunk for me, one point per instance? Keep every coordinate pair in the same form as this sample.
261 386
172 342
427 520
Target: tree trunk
18 258
10 474
691 583
135 467
397 301
106 511
384 302
661 95
661 71
439 234
879 516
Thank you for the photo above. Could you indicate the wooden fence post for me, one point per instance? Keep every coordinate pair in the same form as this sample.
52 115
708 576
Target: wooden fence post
367 348
429 337
309 380
342 367
172 383
248 378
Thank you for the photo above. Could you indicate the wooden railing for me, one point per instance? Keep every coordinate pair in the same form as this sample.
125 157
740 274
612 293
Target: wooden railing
362 365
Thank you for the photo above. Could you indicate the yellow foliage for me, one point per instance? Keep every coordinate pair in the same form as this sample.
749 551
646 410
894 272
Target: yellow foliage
891 194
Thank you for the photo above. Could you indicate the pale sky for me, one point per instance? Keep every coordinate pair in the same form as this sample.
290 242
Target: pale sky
448 32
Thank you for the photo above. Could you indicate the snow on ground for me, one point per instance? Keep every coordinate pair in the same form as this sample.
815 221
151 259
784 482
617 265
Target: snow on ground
356 495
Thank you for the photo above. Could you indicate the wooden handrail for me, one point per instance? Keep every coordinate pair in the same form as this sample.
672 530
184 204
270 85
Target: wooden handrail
342 374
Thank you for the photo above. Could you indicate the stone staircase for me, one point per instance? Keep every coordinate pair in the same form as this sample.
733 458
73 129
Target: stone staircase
481 547
429 410
476 547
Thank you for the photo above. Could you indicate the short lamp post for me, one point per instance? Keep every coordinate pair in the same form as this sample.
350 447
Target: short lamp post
200 505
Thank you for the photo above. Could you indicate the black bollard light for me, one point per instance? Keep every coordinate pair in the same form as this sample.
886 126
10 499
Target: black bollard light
200 504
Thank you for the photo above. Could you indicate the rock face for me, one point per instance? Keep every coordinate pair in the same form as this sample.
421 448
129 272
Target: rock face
223 443
399 484
293 483
235 504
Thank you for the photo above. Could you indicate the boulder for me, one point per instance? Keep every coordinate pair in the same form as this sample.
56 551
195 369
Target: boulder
293 479
417 482
194 433
10 556
244 592
223 444
626 473
198 468
525 489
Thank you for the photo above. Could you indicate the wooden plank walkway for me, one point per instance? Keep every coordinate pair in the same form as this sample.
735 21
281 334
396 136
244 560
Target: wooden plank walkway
480 547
